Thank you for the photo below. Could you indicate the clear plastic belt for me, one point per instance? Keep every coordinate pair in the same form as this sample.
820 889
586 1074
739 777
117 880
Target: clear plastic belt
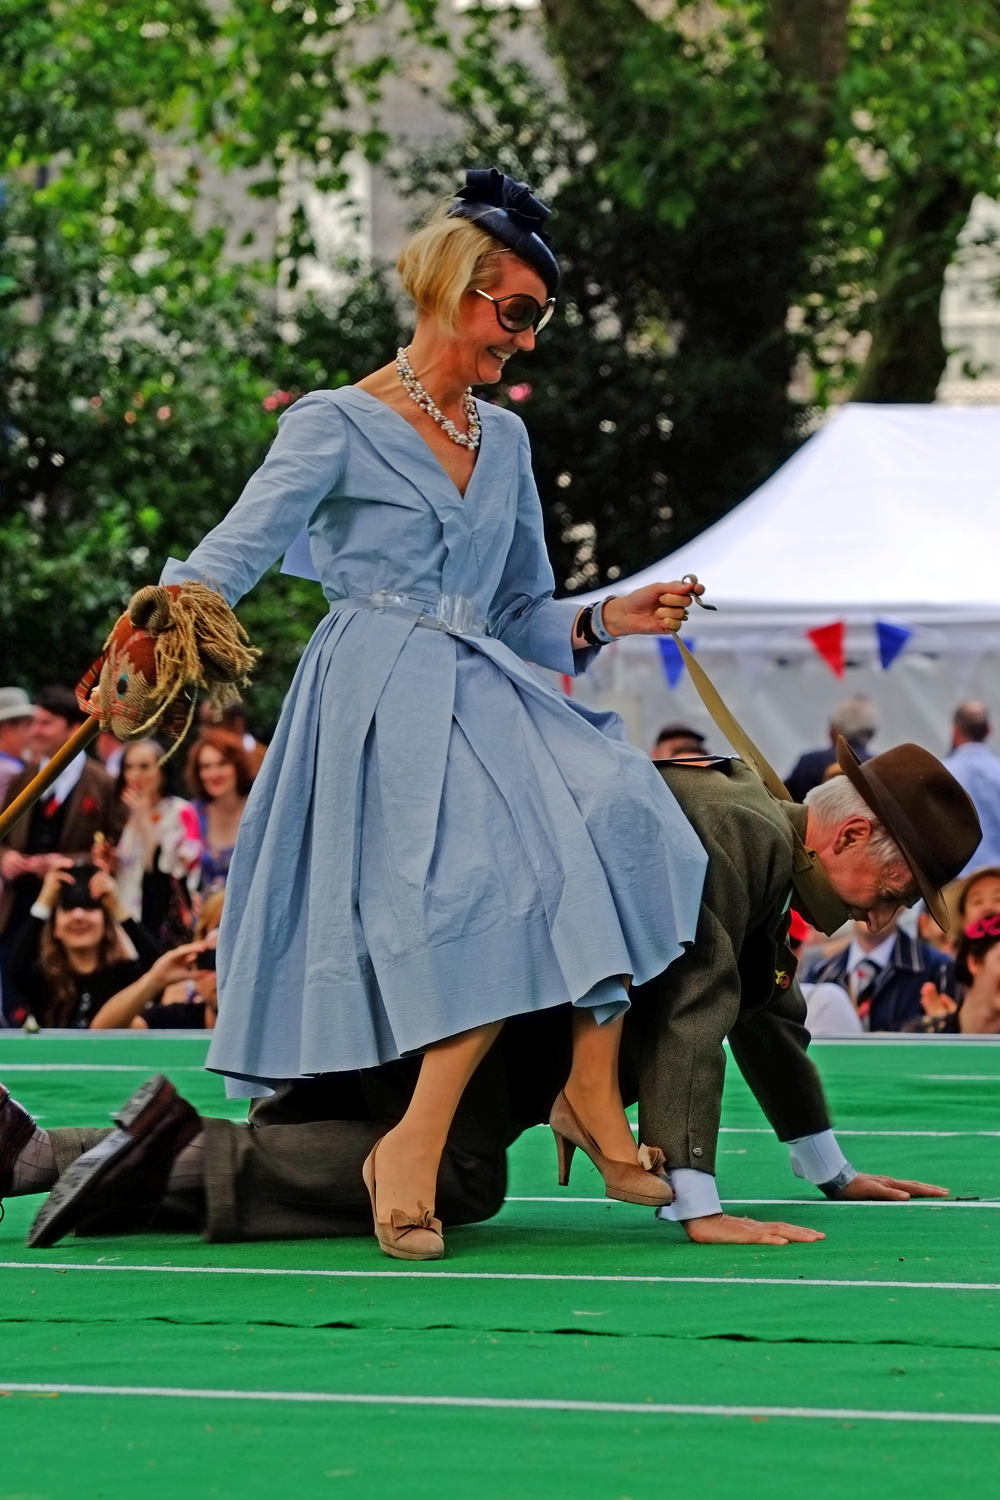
455 613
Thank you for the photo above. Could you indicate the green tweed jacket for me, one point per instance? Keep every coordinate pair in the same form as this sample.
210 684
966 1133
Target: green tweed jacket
737 981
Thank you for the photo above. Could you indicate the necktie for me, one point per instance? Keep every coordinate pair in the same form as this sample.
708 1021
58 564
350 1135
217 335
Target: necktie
865 975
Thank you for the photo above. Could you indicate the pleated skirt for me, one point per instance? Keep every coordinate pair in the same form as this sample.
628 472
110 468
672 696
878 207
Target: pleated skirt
436 840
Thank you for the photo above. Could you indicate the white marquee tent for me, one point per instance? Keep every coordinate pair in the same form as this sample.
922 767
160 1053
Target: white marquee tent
888 514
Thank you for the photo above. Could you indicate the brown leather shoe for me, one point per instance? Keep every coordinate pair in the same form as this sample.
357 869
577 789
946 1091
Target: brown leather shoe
16 1129
118 1185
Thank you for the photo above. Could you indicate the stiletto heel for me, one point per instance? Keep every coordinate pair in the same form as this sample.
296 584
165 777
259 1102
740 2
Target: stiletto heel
404 1237
625 1181
564 1153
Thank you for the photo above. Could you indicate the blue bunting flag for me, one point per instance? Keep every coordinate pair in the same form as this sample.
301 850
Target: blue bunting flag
673 661
891 640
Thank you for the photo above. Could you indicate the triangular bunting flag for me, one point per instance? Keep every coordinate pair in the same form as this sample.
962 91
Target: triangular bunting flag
891 640
673 661
829 642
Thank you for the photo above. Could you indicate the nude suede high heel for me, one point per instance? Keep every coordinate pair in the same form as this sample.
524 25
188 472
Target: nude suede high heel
404 1237
627 1182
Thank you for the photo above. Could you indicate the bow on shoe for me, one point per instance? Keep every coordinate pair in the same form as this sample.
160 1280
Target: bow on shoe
651 1158
402 1222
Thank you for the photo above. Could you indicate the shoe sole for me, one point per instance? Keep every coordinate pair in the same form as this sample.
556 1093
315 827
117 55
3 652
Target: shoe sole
56 1216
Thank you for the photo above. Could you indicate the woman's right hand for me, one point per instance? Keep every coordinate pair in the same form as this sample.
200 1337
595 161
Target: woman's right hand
177 964
934 1003
141 805
56 876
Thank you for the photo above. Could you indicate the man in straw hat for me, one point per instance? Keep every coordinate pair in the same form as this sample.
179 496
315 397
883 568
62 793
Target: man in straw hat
882 833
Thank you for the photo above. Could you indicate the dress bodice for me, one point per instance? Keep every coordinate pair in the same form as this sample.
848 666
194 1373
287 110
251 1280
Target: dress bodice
353 496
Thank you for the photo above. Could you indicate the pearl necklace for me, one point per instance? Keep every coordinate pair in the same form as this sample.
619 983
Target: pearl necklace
425 401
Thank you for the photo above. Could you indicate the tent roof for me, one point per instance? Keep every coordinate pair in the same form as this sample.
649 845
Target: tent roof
887 510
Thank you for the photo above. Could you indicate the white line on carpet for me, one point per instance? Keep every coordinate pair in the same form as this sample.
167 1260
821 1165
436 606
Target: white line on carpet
922 1286
931 1134
513 1403
765 1130
94 1068
808 1204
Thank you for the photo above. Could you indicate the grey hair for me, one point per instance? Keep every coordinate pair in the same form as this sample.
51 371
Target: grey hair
834 800
856 719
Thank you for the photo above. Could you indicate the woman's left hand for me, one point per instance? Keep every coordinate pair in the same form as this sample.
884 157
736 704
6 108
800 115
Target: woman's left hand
103 889
657 609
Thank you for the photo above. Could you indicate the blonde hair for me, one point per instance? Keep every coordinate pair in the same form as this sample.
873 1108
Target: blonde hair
211 915
445 259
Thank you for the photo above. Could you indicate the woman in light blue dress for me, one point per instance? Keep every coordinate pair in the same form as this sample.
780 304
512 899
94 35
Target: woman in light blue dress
437 839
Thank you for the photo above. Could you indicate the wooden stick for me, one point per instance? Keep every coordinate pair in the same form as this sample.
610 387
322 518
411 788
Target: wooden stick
41 783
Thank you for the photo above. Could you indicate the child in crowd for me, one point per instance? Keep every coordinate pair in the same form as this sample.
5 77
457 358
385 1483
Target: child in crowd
977 967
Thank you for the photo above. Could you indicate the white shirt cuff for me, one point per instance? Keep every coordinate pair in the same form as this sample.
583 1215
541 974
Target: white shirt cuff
41 911
696 1195
818 1158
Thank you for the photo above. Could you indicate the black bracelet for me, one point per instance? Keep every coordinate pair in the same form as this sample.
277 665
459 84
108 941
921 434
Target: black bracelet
836 1185
585 627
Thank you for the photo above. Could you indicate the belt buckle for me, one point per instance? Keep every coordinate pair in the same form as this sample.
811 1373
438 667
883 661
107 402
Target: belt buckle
456 612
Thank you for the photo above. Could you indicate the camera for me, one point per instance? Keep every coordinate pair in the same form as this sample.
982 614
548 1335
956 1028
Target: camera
77 895
206 959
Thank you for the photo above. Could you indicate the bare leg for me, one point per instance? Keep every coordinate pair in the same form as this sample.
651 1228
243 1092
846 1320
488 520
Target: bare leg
592 1086
410 1154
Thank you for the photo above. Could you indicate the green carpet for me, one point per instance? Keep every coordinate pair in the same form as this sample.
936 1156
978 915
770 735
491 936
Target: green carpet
896 1312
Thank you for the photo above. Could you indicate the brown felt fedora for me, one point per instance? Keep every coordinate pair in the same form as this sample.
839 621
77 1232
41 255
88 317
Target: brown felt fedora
930 816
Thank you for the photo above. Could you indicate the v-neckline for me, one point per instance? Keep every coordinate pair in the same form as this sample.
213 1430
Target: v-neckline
384 405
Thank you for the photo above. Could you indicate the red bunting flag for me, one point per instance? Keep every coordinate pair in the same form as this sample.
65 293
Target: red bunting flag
829 642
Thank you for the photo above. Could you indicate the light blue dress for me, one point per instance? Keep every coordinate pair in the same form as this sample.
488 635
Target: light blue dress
436 838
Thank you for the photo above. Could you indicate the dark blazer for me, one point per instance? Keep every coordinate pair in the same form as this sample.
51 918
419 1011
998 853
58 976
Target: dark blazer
895 998
92 808
810 768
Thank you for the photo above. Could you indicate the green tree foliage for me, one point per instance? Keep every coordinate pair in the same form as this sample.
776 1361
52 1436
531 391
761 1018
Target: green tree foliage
754 197
142 371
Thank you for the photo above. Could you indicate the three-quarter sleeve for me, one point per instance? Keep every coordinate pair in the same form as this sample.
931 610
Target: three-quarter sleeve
304 464
523 613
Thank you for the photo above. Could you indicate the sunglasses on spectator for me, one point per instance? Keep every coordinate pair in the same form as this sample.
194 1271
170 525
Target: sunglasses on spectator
520 311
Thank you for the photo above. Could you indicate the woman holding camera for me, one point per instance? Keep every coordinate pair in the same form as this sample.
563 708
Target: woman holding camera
178 992
71 955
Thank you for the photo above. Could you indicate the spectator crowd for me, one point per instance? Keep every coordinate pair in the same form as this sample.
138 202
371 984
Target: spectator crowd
912 976
112 886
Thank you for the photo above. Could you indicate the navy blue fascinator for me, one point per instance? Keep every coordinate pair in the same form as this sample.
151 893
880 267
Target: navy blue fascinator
511 214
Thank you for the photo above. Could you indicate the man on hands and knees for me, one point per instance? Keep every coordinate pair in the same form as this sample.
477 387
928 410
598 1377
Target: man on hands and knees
889 830
898 826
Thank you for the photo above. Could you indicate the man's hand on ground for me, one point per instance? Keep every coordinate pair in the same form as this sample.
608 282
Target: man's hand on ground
891 1188
725 1229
